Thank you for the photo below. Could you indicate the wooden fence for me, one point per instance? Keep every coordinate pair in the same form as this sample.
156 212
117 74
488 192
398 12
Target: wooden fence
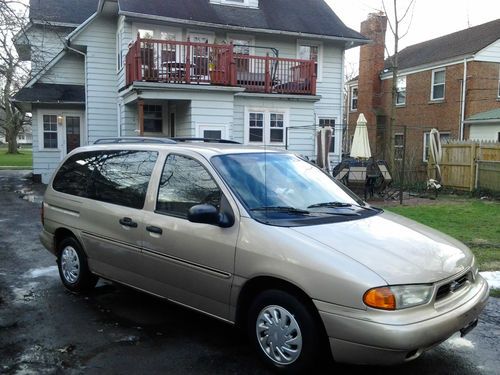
469 165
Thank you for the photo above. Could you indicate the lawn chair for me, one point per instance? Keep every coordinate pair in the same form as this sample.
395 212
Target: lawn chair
343 175
385 189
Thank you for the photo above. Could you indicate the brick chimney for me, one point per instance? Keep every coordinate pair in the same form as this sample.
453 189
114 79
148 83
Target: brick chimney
371 63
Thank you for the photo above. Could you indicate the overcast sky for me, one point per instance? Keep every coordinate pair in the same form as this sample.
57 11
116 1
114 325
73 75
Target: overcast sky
431 18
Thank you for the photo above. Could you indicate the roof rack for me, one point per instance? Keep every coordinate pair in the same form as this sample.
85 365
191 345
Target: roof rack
206 140
113 140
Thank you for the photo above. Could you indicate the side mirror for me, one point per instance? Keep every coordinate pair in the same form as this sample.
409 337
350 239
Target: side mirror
208 214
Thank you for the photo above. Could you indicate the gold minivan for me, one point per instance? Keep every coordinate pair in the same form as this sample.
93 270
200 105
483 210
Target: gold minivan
265 240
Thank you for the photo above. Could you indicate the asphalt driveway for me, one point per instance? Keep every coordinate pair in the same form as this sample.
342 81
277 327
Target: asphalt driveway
114 330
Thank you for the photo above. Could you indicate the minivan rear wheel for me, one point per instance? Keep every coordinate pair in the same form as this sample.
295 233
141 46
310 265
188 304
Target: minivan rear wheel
284 332
73 268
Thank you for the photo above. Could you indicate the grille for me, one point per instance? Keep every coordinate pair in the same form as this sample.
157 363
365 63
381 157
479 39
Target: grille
452 286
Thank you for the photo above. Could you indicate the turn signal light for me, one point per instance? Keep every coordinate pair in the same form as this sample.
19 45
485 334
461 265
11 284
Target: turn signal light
380 298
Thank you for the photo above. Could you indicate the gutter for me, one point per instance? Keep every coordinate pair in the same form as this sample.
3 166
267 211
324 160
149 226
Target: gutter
488 121
355 41
67 45
463 103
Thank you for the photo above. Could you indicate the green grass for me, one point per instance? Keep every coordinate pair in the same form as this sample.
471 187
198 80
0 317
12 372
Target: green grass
22 160
474 222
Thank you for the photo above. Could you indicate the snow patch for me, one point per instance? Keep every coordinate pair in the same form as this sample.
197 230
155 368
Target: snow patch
47 271
493 278
457 342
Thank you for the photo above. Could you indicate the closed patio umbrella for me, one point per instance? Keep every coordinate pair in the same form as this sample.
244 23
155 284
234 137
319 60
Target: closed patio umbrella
360 144
436 151
324 140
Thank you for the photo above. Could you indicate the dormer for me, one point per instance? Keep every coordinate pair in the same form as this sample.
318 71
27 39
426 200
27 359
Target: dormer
237 3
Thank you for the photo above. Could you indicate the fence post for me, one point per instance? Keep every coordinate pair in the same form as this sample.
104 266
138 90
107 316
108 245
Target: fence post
403 162
472 166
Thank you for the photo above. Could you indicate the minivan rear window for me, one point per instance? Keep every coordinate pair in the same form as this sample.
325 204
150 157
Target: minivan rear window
118 176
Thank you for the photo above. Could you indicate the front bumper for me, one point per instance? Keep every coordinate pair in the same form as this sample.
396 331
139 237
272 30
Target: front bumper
361 340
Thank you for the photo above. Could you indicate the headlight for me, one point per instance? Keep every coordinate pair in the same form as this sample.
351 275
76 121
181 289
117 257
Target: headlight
398 297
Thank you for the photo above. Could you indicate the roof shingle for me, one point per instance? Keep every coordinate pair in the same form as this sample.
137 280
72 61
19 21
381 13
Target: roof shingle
51 93
63 11
311 17
461 43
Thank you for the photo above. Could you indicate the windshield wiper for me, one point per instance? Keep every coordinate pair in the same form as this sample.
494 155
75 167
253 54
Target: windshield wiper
331 204
285 209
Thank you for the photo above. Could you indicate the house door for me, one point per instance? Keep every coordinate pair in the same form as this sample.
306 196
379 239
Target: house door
72 133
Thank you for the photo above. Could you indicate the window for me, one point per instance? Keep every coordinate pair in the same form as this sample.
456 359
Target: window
401 91
185 183
444 139
311 51
398 146
50 131
438 84
329 122
117 177
354 98
266 127
243 47
146 33
153 118
256 125
277 126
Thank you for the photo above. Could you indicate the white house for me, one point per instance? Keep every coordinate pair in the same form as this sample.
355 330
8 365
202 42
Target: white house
265 72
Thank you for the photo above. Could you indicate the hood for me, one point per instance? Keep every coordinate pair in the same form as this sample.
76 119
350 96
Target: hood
399 250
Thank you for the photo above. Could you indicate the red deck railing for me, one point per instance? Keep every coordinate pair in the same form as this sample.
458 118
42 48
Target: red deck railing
217 64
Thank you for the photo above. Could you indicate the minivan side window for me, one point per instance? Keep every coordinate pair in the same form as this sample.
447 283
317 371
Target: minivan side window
120 177
185 183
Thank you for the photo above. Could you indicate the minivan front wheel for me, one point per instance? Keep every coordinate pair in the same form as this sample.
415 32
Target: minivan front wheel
73 268
284 332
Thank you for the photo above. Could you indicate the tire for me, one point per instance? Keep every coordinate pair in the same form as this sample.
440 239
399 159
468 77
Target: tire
298 347
73 268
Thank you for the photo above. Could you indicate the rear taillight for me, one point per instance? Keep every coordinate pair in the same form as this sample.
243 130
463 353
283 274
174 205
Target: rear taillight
42 215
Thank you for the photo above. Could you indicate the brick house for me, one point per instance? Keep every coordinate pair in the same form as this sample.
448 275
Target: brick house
451 83
260 72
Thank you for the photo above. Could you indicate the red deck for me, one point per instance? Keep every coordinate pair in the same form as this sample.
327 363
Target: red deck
166 61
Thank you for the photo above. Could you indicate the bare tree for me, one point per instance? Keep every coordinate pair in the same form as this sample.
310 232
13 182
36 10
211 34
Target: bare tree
13 71
397 17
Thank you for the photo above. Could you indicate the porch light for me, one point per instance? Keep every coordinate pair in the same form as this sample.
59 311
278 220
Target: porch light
60 120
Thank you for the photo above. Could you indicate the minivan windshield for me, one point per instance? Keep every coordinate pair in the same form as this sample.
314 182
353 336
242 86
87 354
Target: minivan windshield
282 186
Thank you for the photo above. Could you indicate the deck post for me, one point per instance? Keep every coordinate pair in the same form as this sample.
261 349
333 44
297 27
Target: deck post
267 84
138 59
233 78
314 77
188 61
140 115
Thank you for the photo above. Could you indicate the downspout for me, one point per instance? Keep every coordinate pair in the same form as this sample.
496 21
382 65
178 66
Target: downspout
464 93
67 45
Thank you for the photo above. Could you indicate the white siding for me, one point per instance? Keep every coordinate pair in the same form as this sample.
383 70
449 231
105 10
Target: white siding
485 132
46 161
490 53
70 70
46 42
301 114
100 39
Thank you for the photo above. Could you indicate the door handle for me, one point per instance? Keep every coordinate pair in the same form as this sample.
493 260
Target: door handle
153 229
128 222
